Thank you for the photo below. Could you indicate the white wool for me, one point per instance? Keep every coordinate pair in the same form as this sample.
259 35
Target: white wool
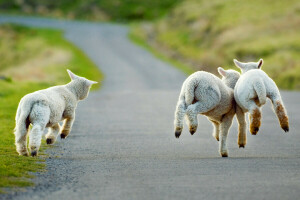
45 109
252 90
205 93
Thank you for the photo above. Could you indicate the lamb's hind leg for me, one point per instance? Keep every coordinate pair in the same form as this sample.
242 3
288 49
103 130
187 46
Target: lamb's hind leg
39 118
179 115
21 131
254 116
52 134
197 108
281 113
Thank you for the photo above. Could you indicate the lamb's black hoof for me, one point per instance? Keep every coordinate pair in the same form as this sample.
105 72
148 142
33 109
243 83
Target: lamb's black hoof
254 130
33 153
63 136
224 155
286 129
193 129
49 141
177 134
241 146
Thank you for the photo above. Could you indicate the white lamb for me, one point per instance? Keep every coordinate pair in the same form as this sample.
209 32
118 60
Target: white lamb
206 94
45 109
251 92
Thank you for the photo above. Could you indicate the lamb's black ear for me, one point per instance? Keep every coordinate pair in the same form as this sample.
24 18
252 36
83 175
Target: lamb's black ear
260 63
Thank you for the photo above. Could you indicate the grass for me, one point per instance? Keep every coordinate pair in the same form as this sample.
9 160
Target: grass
207 34
19 45
116 10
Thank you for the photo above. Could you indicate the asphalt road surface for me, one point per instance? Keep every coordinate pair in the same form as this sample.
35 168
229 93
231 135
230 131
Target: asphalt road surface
122 145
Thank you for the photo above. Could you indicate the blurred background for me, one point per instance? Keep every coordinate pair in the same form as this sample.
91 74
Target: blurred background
199 34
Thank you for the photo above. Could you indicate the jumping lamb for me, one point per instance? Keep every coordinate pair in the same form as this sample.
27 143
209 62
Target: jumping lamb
206 94
45 109
251 92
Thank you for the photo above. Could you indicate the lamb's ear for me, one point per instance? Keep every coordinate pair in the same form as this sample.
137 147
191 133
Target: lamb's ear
72 75
238 64
222 71
260 63
91 82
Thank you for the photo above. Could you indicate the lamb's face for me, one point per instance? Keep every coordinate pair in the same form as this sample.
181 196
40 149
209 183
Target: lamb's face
82 85
248 66
229 77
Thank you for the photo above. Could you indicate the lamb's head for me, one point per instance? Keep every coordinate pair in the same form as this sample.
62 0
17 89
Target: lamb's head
248 66
80 85
229 77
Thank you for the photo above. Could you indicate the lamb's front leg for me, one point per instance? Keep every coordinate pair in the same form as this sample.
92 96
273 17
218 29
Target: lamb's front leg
216 132
224 128
67 126
242 138
52 134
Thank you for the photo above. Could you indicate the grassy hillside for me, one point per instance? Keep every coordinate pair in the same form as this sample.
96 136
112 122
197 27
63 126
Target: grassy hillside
30 59
207 34
118 10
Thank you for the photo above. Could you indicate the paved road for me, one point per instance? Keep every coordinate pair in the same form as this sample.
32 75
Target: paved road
123 147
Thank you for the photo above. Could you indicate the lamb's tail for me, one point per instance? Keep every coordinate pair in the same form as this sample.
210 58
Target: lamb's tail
189 93
260 90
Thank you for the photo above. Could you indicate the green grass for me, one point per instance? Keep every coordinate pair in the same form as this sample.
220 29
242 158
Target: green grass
117 10
14 169
209 34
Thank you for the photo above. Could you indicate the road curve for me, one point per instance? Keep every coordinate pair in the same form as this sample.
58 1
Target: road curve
122 145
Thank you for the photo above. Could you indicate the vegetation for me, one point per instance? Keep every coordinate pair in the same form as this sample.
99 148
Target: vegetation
207 34
118 10
30 59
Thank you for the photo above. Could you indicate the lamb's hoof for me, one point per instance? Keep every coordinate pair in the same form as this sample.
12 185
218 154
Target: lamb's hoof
217 137
224 154
63 136
34 153
177 134
241 146
50 141
254 130
286 129
193 129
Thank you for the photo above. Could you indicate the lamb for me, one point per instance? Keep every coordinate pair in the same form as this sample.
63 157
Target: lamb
251 92
45 109
206 94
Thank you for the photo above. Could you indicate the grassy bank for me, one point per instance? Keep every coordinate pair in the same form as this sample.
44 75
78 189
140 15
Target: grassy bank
207 34
117 10
31 59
